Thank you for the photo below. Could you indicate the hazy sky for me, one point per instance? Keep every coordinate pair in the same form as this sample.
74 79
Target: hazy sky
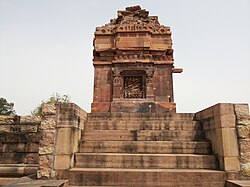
46 47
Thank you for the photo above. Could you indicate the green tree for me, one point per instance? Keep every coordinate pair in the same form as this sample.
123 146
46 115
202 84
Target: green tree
6 108
54 99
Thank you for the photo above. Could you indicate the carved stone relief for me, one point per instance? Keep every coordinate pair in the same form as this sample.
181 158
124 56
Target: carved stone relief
133 87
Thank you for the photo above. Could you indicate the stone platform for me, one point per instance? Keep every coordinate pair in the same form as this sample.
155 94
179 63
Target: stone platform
136 149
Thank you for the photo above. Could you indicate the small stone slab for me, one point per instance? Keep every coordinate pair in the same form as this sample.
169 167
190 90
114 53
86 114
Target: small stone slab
238 183
28 182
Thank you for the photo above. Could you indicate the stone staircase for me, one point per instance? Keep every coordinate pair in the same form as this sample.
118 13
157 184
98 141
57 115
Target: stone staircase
150 150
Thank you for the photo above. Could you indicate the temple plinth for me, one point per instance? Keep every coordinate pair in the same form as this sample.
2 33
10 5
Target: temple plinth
133 62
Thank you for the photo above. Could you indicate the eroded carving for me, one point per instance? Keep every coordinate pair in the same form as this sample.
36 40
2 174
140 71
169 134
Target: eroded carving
133 19
133 87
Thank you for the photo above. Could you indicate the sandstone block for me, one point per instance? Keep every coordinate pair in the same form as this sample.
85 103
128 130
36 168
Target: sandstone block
231 164
63 143
76 139
19 147
48 124
33 137
28 128
244 121
62 161
43 173
14 137
230 142
5 128
245 157
241 110
223 109
8 120
48 109
146 161
146 177
47 138
246 169
243 131
48 149
245 145
31 158
46 161
228 121
30 120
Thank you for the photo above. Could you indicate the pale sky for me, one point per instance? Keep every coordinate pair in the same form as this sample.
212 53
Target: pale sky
46 47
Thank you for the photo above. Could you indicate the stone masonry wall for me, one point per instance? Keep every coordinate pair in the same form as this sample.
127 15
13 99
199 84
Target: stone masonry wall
227 126
243 130
19 141
60 135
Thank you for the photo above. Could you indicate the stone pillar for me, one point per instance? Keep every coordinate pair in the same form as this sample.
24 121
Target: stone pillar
149 84
70 122
243 129
116 83
60 135
219 123
47 141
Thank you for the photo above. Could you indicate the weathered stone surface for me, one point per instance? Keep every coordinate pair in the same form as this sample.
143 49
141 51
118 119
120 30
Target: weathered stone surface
246 169
8 120
63 144
243 131
146 177
62 161
18 137
28 128
30 182
30 120
47 138
46 161
245 157
243 127
19 147
45 168
49 149
244 121
19 123
241 110
145 161
245 145
60 134
238 183
219 122
48 109
5 128
133 60
48 124
17 170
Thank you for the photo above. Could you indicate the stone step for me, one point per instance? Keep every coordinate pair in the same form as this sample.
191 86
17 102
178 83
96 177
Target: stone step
145 177
142 135
142 125
141 116
145 161
174 147
238 183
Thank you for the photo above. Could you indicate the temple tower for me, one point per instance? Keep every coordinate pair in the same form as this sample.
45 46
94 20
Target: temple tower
133 62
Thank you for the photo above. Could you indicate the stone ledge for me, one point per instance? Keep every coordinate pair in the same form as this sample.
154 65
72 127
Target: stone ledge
17 170
238 183
31 181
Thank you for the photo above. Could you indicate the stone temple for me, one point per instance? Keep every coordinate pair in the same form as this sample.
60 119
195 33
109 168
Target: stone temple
133 60
133 135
